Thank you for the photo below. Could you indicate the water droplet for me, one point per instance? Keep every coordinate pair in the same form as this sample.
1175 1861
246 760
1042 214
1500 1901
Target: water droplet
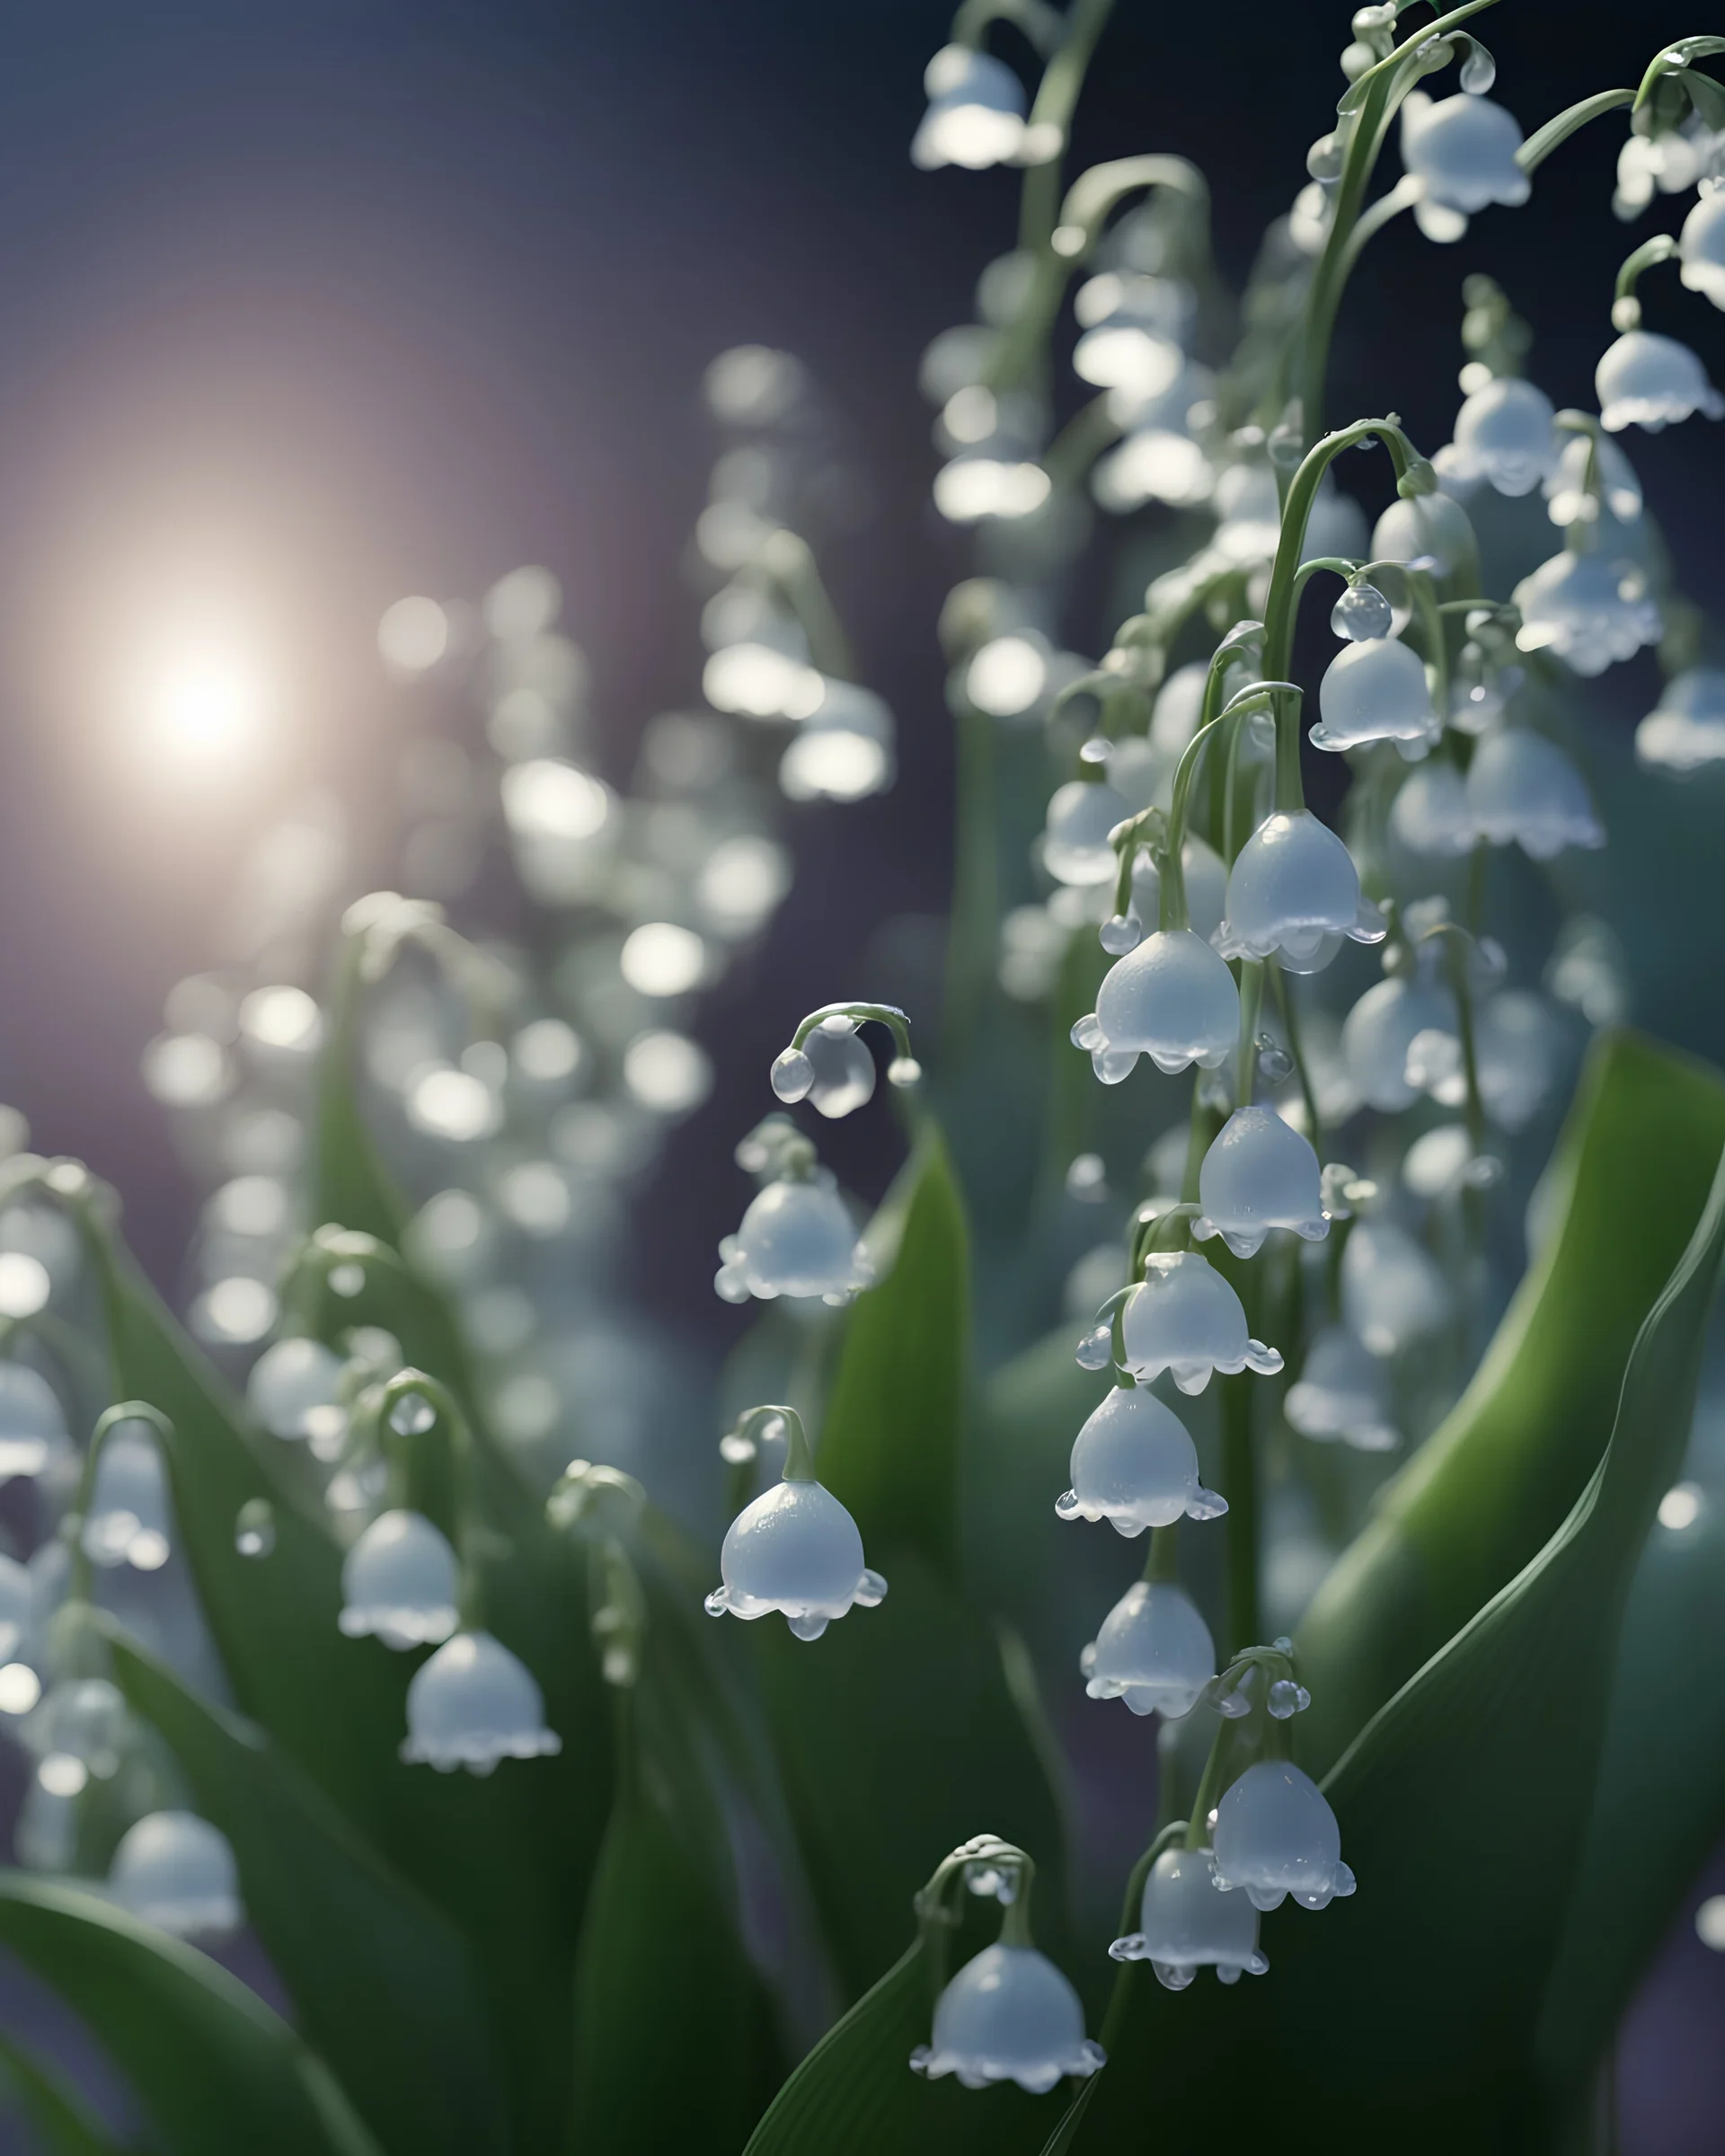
1479 72
254 1529
793 1075
348 1280
903 1070
1274 1061
1096 1349
1324 159
735 1451
1119 933
1287 1699
412 1415
1361 614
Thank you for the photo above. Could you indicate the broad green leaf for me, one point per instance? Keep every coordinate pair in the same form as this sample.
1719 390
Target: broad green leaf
854 2094
1409 2012
383 1984
353 1188
1659 1808
889 1440
61 2122
899 1736
213 2067
1491 1486
672 2048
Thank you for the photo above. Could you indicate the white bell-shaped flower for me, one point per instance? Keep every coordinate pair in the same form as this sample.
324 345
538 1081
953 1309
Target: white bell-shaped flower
1276 1835
399 1583
1381 1027
472 1703
1172 999
1515 1057
797 1550
127 1522
1587 609
1184 1318
976 111
1009 2015
797 1238
1432 528
1259 1173
1702 247
1154 1651
1522 789
176 1872
1342 1392
1075 843
1429 814
1294 895
1392 1292
1462 150
1507 433
1188 1926
32 1422
294 1390
833 1070
1567 494
1205 876
1135 1465
1648 381
1686 729
1374 692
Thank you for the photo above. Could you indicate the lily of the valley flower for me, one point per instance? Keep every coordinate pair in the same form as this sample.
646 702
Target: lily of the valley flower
32 1422
1686 729
1462 150
1259 1173
1154 1651
1188 1926
1383 1025
976 111
796 1238
1702 247
1342 1392
1135 1465
1523 790
1184 1318
794 1549
399 1583
1506 433
1591 610
1653 382
1276 1835
471 1704
1009 2015
1172 999
1392 1292
833 1070
1429 814
176 1872
1075 843
1376 691
1294 895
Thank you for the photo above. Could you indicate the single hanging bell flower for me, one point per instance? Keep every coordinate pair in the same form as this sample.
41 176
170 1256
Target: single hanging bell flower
471 1704
1506 432
797 1550
1652 382
1188 1926
1259 1173
1686 729
975 112
1172 999
1429 814
797 1238
1135 1465
128 1519
1569 500
1343 1391
1376 691
399 1583
1702 247
1392 1292
1294 895
1154 1651
1383 1026
1432 528
1462 150
176 1872
1521 788
1075 849
1276 1835
1009 2015
1184 1318
1590 611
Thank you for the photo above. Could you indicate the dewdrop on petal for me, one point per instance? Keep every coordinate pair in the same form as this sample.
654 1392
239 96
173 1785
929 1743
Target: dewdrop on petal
1383 1025
1361 614
1294 895
797 1238
1462 150
1172 999
1075 843
294 1390
1154 1651
1429 814
1374 692
1133 1464
976 111
1506 432
1276 1835
1259 1173
797 1550
1009 2015
1184 1318
1702 247
1522 789
1590 611
399 1583
1343 1391
1652 382
1188 1926
176 1872
471 1704
1686 729
1392 1292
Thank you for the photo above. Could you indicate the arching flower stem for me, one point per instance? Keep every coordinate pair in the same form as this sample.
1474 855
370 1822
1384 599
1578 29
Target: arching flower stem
126 1410
938 1905
1626 307
438 1483
1040 24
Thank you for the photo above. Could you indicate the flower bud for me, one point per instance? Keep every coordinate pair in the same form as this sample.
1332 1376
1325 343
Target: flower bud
792 1074
1361 614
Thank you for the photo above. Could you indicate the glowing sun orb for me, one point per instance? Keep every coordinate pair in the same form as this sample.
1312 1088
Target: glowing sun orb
205 706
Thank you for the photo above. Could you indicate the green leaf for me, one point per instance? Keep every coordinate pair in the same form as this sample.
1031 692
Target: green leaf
673 2045
899 1736
1490 1486
889 1440
1659 1805
353 1188
1464 1807
383 1984
215 2068
66 2128
854 2094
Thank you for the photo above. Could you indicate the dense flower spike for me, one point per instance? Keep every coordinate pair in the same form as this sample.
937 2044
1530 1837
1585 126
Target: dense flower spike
473 1704
1154 1651
1009 2015
1276 1835
1259 1173
1188 1926
1294 896
795 1549
1183 1317
1135 1465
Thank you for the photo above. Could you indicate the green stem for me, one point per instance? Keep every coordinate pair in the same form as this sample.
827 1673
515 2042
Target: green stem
1161 1561
789 561
438 1485
1211 1784
1289 1009
1543 141
109 1420
1239 1481
1251 993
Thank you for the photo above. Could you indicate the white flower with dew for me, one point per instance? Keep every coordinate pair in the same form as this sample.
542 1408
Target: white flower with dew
794 1549
1652 382
1392 1291
1188 1926
399 1583
797 1238
1173 999
1075 840
1507 433
1009 2015
1383 1025
1154 1651
294 1390
1343 1391
1133 1464
1462 151
1523 790
833 1070
1429 814
176 1872
1184 1318
1276 1835
1259 1173
1587 609
1294 895
1684 732
1374 690
1432 528
471 1704
975 112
